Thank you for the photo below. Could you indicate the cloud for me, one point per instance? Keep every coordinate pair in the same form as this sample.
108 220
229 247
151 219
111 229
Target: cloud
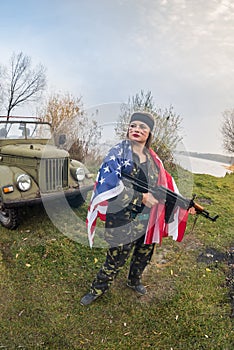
108 50
223 9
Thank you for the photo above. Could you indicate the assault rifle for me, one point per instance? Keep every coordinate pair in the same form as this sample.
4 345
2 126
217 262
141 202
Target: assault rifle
170 198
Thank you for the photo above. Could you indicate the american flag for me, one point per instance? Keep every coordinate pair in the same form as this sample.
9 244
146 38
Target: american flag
157 227
109 184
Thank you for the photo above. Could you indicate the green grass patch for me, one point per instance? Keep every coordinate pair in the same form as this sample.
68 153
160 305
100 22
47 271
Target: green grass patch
45 273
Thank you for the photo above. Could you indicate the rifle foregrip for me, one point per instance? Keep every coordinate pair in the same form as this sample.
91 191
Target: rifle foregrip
198 207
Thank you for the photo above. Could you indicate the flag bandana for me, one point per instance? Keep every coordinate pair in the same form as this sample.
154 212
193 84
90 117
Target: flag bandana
108 185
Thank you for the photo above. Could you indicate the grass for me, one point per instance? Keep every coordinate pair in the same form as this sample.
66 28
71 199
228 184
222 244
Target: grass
44 274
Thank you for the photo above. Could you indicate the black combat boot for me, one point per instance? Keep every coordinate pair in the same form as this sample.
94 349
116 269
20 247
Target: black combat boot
138 287
89 298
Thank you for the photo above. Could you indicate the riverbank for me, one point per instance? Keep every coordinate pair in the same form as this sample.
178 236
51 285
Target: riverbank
203 166
230 167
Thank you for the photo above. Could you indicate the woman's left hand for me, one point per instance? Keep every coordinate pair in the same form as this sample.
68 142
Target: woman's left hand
192 211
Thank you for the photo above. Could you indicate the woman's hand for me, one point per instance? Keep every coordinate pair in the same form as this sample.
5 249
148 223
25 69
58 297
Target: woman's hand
192 211
148 200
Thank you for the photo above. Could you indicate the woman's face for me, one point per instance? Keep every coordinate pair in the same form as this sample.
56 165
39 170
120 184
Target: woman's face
138 131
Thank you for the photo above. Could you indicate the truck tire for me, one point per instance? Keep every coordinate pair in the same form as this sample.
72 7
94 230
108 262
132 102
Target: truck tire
9 218
76 202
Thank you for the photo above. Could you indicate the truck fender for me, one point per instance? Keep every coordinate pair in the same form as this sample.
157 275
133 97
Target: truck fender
7 177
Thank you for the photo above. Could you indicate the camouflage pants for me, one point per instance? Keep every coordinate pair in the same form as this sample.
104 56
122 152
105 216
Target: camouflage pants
117 256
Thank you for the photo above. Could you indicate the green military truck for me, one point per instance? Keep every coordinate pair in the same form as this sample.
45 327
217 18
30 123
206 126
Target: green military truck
33 169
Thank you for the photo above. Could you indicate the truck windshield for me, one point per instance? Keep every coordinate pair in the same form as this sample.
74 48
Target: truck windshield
24 130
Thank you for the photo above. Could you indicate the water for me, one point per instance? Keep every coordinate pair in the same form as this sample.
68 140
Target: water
202 166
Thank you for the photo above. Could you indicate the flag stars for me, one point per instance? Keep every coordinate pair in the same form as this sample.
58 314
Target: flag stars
106 169
101 180
112 157
127 163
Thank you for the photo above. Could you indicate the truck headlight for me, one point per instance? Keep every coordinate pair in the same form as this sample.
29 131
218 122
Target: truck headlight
80 174
24 182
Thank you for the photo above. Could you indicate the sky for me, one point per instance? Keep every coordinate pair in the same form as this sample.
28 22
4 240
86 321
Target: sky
106 51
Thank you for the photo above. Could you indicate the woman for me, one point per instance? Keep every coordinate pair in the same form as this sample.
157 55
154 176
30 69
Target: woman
134 218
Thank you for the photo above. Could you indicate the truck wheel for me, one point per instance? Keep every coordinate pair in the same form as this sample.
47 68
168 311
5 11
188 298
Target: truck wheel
9 218
76 202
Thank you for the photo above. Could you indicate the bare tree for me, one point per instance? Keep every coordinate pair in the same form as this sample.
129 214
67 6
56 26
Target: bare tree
21 82
167 123
1 88
228 130
66 115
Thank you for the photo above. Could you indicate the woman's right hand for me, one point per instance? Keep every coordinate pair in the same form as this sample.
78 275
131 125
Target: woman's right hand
148 199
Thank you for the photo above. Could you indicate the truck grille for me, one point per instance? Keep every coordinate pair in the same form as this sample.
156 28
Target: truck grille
53 174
